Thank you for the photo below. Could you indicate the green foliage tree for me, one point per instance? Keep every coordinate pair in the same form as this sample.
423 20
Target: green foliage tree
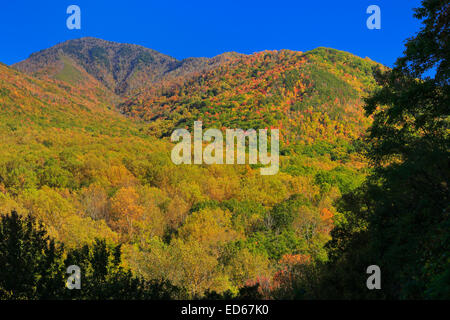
284 214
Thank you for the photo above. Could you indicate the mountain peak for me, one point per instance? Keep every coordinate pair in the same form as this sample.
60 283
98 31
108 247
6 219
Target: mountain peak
120 67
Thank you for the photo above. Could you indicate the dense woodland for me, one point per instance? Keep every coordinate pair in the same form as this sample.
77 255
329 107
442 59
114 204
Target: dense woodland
86 176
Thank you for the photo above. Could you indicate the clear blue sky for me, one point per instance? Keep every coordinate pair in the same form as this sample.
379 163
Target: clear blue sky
207 28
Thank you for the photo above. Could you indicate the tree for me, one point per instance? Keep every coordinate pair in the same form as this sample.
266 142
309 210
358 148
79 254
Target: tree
103 276
31 264
125 211
399 219
211 227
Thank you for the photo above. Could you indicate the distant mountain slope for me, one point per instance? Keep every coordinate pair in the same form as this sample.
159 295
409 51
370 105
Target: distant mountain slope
54 135
317 94
122 68
309 95
44 103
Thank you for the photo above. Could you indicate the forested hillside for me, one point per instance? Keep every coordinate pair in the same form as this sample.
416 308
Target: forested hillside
121 68
86 176
310 96
72 161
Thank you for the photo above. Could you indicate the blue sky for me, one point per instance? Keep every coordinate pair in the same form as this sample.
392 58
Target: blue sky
206 28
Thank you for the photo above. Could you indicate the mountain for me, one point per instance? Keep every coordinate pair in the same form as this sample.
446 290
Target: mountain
85 170
48 103
310 96
316 95
121 68
55 140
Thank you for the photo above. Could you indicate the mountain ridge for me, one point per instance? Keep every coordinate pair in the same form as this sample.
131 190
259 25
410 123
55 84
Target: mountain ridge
288 89
281 88
120 67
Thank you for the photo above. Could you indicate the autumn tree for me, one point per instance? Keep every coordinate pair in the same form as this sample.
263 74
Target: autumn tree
125 211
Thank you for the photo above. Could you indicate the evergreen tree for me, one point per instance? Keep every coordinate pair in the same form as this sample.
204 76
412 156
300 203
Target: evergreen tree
103 277
31 264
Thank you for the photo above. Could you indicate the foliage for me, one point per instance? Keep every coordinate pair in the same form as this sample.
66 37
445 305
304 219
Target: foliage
34 267
31 262
399 218
310 96
87 172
